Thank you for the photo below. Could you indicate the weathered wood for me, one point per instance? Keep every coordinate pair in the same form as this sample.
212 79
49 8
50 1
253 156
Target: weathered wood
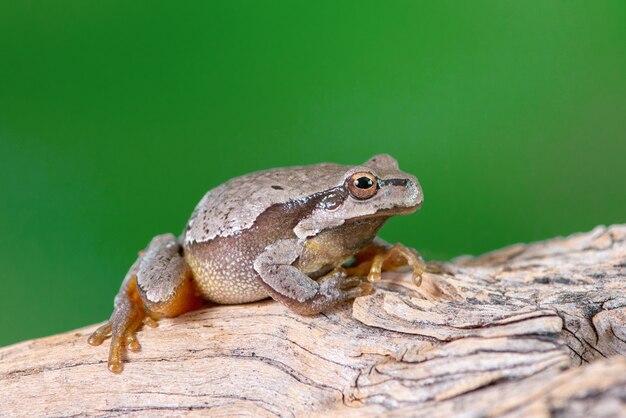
530 330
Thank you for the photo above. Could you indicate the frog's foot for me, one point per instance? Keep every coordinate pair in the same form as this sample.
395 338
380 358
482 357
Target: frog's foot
337 287
373 260
158 284
128 316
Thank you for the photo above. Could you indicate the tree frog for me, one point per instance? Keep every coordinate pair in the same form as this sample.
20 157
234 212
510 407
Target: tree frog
284 233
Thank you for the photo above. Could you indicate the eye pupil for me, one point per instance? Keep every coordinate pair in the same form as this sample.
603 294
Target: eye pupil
363 182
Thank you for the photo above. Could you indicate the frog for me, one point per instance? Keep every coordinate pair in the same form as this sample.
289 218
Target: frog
305 236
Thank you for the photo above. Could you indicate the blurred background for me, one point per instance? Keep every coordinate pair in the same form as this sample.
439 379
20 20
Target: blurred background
116 117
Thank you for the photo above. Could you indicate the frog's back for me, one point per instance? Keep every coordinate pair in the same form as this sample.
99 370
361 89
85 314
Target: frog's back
234 206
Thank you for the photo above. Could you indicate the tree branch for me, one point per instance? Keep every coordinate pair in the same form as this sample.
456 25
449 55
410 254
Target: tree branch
529 330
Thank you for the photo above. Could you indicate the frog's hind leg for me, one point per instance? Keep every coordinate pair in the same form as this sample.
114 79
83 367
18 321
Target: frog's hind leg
159 283
381 256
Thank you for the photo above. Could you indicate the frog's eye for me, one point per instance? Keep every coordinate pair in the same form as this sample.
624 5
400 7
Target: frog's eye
362 185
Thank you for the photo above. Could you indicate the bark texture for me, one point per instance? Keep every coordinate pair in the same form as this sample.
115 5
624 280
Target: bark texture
527 331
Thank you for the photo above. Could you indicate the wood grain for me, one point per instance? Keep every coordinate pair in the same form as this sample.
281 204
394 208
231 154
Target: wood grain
527 331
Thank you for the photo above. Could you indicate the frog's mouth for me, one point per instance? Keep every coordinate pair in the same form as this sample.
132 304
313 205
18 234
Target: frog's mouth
401 211
386 213
407 211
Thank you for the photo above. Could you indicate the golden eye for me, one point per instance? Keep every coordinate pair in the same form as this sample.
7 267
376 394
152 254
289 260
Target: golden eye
362 185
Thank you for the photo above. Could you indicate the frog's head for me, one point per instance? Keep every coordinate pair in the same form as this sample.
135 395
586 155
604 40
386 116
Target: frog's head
385 188
375 189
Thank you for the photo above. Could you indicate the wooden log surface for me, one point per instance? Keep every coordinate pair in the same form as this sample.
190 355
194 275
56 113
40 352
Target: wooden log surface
527 331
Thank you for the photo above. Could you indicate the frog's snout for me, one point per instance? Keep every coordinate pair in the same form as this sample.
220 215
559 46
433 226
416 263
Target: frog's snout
415 195
407 191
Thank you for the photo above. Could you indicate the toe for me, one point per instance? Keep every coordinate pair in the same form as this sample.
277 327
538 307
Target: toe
150 322
115 355
132 343
99 335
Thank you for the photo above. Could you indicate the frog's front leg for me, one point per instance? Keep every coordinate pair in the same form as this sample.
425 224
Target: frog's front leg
380 256
159 283
290 286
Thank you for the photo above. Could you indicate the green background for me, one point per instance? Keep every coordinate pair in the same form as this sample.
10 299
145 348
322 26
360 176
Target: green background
116 117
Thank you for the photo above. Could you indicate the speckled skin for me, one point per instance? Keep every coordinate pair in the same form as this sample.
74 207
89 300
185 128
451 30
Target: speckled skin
270 233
